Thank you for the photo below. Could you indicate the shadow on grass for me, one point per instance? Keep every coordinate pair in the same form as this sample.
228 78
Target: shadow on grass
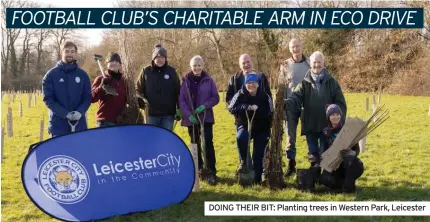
394 191
193 208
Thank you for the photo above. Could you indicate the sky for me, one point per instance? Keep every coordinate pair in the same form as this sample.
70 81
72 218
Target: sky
94 36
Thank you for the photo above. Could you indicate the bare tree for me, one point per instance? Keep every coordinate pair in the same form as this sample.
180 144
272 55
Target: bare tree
24 58
61 36
9 52
41 36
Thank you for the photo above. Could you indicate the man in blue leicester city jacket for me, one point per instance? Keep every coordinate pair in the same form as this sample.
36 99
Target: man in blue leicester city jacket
67 93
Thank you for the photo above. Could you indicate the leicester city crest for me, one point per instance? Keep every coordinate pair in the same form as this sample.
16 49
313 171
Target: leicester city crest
64 179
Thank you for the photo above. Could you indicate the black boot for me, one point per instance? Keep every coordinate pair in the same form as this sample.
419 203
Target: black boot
353 170
314 159
240 167
305 180
212 180
291 168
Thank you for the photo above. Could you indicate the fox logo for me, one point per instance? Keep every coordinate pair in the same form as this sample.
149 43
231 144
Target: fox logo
64 178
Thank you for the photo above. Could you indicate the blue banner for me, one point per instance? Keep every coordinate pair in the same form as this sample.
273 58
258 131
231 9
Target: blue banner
214 18
104 172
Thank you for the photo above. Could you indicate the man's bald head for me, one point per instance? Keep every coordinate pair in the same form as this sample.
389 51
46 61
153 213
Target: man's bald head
295 41
295 47
245 63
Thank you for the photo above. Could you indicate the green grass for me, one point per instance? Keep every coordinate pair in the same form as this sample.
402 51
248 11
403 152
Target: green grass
396 165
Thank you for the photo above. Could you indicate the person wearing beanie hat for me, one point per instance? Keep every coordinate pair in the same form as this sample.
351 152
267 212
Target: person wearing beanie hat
237 80
249 99
158 87
334 114
113 56
251 78
109 106
351 167
159 51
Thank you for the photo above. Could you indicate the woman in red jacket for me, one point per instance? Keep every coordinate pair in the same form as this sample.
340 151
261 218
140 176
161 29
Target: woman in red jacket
110 107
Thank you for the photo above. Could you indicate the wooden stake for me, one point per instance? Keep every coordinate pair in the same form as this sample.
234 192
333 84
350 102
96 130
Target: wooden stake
41 129
367 104
34 99
2 142
29 100
194 154
10 122
362 144
374 107
429 111
20 109
379 94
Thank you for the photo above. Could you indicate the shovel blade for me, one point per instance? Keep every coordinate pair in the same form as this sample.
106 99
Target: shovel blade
110 90
97 57
246 177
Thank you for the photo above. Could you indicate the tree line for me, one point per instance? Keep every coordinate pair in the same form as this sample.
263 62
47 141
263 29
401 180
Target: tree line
363 60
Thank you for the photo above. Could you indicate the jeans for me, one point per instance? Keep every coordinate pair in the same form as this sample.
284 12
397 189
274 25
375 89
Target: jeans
261 140
291 131
209 145
315 143
165 122
105 123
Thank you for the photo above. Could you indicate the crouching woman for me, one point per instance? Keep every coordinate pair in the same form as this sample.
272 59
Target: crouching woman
343 178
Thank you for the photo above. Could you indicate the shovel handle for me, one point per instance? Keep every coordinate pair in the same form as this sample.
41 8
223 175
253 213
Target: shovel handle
73 126
101 68
248 157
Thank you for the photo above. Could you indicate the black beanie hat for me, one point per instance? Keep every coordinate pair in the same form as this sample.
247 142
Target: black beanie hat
113 56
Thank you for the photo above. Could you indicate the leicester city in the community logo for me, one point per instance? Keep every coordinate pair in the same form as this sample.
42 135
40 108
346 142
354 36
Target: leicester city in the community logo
64 179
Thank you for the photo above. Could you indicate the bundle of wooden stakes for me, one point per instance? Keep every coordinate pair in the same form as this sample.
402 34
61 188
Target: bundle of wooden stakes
351 133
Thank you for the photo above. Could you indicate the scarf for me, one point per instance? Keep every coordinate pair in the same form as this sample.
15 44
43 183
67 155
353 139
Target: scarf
318 79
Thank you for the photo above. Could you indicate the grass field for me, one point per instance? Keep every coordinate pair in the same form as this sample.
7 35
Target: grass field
397 165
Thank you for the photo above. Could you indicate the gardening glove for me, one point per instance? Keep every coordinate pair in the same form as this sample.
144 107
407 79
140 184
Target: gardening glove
143 103
346 153
193 120
254 107
106 80
200 109
70 116
77 115
178 115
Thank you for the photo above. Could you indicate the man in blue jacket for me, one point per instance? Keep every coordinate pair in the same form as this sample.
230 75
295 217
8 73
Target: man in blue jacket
67 93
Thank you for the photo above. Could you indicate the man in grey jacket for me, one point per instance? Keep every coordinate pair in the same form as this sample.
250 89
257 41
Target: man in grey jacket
293 71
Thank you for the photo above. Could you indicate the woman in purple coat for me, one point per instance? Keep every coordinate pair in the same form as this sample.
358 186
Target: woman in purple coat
197 98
